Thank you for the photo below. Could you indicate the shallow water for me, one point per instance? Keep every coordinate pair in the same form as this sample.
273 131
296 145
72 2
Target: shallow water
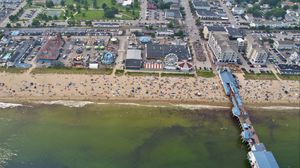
128 136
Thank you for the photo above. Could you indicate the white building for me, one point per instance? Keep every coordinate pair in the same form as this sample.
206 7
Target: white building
284 44
221 49
238 11
255 52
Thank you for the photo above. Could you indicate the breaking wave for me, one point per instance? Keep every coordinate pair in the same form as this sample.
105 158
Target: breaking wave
9 105
68 103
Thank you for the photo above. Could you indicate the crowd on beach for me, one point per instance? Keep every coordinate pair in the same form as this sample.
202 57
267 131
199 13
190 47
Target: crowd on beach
180 89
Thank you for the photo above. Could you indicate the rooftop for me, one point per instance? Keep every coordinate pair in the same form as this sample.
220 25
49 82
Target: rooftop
216 28
171 13
200 3
265 159
134 54
206 13
158 51
234 32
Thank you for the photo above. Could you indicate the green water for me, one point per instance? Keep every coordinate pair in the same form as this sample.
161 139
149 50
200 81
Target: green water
122 136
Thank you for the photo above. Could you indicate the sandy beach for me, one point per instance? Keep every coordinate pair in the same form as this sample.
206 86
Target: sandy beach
143 88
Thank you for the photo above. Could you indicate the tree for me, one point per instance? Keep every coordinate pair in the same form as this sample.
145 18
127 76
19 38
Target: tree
35 23
272 3
78 8
275 12
110 12
255 11
8 25
70 7
55 17
86 5
295 7
29 2
95 4
88 23
49 4
62 3
104 6
113 2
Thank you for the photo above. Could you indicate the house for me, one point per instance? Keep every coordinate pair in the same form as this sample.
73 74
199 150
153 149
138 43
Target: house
223 52
175 7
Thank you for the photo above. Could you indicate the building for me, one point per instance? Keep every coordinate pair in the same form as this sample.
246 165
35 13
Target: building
175 7
234 33
133 59
50 51
207 14
172 1
159 51
241 44
284 44
172 14
215 28
259 157
238 11
255 52
201 5
38 1
18 57
288 69
294 58
221 49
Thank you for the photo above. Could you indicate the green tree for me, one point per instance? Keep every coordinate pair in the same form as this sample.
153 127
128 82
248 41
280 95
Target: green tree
295 7
35 23
104 6
29 2
88 23
275 12
8 25
95 4
255 11
272 3
62 3
49 4
78 8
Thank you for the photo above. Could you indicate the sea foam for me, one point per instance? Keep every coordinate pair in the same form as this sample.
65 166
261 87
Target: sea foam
9 105
68 103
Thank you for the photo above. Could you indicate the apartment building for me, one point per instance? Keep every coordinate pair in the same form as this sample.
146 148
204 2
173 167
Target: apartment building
223 52
255 52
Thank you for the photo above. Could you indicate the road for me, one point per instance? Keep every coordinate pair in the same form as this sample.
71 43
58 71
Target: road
230 16
6 20
193 32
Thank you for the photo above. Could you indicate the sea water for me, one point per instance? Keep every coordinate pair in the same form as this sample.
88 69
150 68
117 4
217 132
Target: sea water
129 135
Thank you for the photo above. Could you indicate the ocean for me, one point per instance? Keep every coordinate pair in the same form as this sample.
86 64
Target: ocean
128 135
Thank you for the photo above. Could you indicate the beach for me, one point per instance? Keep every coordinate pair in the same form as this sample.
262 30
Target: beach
141 88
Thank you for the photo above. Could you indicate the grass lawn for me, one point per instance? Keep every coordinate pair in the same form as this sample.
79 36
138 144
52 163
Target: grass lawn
107 71
90 15
142 74
259 76
119 72
12 70
98 14
289 77
205 74
177 75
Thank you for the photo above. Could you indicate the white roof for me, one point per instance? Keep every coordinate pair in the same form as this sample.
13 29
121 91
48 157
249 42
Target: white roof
134 54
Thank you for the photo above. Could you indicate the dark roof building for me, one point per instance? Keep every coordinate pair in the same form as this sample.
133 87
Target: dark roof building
234 33
200 4
158 51
288 69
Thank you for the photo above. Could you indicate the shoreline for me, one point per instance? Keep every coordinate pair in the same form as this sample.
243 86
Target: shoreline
151 103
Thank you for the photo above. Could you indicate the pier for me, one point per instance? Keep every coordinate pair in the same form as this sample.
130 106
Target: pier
258 155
